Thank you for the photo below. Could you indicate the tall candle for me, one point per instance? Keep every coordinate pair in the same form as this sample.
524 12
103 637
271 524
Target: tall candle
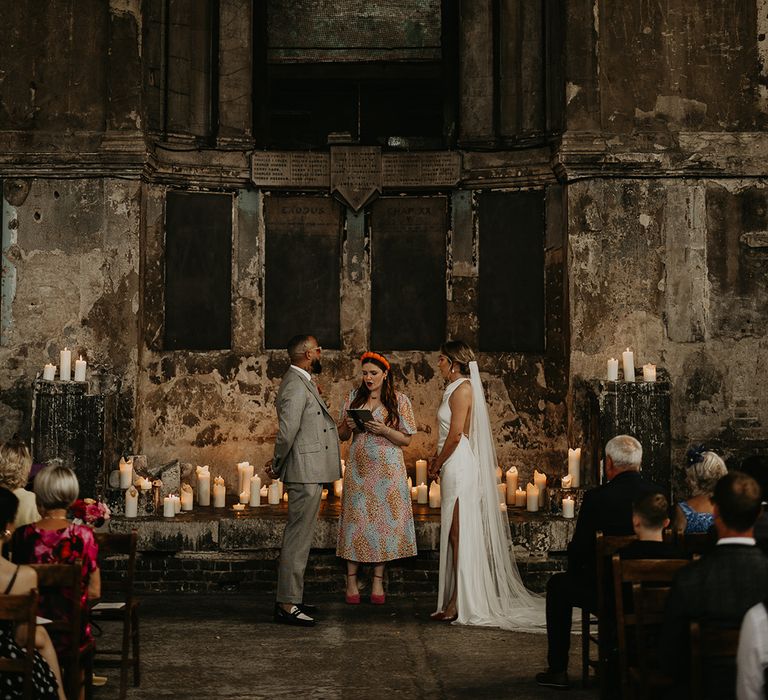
280 487
520 498
203 486
80 366
532 497
176 503
65 365
502 492
273 494
169 509
568 507
255 499
434 495
574 466
49 372
422 496
628 361
131 502
540 480
244 472
186 497
511 485
219 492
613 370
126 473
649 373
421 471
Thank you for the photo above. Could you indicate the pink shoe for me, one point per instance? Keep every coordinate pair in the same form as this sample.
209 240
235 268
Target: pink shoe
354 598
377 599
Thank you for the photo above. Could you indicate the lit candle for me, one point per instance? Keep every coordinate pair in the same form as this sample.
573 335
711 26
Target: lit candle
540 481
244 473
144 483
421 471
264 492
532 497
511 485
169 509
274 493
285 497
126 473
238 507
131 502
203 486
502 492
574 466
49 372
338 488
628 361
324 495
434 495
568 507
219 492
422 496
567 481
245 496
80 366
649 373
613 370
520 498
65 365
255 499
186 497
176 503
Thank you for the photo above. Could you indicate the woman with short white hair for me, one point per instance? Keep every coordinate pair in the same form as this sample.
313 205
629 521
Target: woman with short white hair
704 470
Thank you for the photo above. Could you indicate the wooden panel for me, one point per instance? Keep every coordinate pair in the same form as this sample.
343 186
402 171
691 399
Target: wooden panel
198 271
511 296
408 273
303 267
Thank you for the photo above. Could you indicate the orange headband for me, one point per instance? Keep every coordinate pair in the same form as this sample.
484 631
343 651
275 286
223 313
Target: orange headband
375 356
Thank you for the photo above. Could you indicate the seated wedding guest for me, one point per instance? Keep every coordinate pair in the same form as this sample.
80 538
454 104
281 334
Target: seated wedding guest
607 508
650 515
752 655
15 464
20 580
704 470
757 467
56 540
721 586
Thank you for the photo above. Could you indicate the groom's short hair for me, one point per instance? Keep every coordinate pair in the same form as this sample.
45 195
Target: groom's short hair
297 345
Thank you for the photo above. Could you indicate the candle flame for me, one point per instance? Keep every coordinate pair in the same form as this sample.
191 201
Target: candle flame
81 358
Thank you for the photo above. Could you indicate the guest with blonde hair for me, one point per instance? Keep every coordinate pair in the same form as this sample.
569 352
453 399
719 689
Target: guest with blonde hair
704 470
15 465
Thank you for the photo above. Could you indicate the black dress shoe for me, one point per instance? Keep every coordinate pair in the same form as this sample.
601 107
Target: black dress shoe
295 617
553 679
307 608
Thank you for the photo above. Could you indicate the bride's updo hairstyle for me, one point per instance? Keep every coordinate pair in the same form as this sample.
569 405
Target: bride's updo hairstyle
459 353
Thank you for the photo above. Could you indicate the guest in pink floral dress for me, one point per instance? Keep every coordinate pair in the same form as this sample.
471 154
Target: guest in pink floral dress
56 540
376 524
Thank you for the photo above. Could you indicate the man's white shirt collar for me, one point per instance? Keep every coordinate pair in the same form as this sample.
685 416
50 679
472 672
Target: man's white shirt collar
737 540
303 372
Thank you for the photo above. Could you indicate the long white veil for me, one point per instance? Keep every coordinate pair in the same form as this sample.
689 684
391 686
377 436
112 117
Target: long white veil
510 604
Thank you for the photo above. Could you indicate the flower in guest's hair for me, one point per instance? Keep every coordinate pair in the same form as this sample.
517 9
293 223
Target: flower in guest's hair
90 512
695 454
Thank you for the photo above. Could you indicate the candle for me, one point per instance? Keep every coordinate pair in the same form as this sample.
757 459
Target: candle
186 497
255 499
649 373
568 507
434 495
238 507
126 472
421 471
324 495
540 481
143 483
502 492
574 466
503 507
169 509
80 366
343 468
285 497
498 475
280 487
176 503
49 372
203 486
567 481
273 497
65 365
422 496
532 497
520 498
131 502
264 491
244 474
219 492
245 496
511 485
414 493
613 370
628 361
338 488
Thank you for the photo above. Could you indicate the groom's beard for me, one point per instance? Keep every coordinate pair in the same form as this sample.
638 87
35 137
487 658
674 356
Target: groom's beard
316 366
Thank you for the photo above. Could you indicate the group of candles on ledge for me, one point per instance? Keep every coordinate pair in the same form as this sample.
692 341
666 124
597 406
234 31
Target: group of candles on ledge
65 368
628 365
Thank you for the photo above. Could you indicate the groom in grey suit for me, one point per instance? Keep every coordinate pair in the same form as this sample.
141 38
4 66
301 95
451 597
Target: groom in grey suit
306 457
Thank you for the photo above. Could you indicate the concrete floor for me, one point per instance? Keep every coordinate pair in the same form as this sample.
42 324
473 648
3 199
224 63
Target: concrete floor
197 647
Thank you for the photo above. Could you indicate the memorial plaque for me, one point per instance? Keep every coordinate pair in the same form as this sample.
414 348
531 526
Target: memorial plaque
290 170
430 169
356 174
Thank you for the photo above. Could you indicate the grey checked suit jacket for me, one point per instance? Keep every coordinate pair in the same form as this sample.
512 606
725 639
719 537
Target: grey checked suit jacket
307 443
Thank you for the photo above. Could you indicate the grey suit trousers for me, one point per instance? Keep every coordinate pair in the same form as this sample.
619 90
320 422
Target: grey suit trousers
303 507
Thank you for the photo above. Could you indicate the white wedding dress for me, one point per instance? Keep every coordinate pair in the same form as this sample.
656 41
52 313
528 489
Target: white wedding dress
490 590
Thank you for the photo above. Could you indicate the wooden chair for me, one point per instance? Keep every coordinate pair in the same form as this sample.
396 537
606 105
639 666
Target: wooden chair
18 609
637 625
713 657
77 663
121 607
695 544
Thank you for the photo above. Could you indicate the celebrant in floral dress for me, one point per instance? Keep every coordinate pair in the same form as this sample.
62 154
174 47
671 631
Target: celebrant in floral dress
376 524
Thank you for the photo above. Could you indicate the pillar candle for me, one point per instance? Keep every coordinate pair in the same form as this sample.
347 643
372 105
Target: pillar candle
414 493
502 488
49 372
238 507
511 485
324 495
285 497
568 507
144 483
613 370
186 497
434 495
280 487
520 498
422 496
540 481
219 492
203 486
126 473
255 499
131 502
532 497
65 365
338 488
574 466
244 473
567 481
80 366
264 491
421 471
176 503
169 509
649 373
245 496
628 361
273 497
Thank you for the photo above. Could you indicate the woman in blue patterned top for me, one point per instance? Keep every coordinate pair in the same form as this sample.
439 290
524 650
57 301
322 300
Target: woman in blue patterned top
704 470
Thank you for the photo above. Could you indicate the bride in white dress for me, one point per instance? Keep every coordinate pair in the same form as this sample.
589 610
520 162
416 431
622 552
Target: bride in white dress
479 580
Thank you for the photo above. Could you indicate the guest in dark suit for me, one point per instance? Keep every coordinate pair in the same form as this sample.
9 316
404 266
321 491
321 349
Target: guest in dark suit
607 508
723 585
757 467
650 515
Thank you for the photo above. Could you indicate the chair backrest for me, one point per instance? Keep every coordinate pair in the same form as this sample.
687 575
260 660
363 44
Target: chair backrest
119 544
605 547
713 658
696 543
14 610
